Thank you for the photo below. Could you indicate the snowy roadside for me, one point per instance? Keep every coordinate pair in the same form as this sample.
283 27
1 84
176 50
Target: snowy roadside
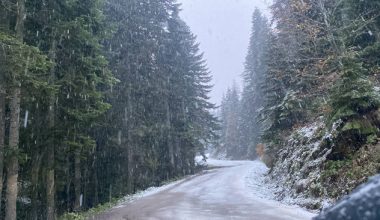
259 184
263 188
296 177
257 181
126 200
148 192
154 190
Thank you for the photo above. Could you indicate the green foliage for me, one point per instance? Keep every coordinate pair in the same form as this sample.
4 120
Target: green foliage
333 168
283 116
290 109
341 177
72 216
372 138
89 213
22 63
361 127
352 98
371 55
354 94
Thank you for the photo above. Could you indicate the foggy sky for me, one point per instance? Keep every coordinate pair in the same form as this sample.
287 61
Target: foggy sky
223 29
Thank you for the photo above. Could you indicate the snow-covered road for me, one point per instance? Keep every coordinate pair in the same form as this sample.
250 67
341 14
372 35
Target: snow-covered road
231 191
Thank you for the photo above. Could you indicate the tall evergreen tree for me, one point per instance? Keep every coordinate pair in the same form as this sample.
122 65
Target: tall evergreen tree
253 95
230 124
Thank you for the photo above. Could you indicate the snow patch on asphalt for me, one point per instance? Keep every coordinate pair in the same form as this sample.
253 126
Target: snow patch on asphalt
224 163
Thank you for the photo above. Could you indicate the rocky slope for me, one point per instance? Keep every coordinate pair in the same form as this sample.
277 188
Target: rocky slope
305 174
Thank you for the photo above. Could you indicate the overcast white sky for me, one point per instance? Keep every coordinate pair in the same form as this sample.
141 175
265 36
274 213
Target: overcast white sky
223 29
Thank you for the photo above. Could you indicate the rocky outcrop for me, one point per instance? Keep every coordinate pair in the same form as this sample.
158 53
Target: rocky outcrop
297 171
305 174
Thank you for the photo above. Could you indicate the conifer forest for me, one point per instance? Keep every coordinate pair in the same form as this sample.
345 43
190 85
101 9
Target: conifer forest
100 99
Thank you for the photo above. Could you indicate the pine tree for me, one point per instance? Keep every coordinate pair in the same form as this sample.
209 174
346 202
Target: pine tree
15 92
20 63
230 124
82 73
253 95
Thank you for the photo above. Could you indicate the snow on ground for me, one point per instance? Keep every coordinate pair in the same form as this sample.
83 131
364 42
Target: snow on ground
259 185
309 130
224 163
296 175
148 192
257 181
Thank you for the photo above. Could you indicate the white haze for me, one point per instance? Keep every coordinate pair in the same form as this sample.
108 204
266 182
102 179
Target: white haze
223 29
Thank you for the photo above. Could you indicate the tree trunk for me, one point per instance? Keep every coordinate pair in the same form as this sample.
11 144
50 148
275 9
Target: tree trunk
2 139
77 181
128 121
12 167
130 187
85 193
50 185
170 141
35 177
176 141
96 183
68 184
50 175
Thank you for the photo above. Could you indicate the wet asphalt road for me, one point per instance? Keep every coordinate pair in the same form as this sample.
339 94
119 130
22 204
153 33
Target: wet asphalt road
218 194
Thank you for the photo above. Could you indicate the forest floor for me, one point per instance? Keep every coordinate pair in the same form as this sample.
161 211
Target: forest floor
228 190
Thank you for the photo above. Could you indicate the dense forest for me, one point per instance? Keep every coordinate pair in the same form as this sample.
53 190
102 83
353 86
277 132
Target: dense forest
98 99
310 94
